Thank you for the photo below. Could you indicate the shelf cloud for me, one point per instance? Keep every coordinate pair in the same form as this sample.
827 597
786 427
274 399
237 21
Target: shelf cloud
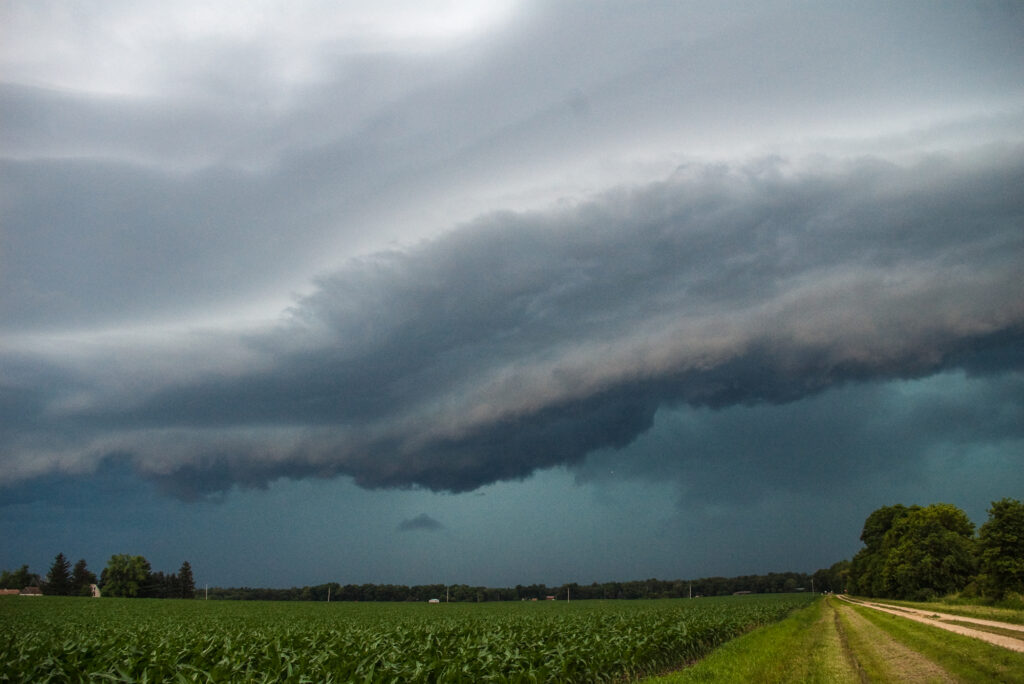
525 340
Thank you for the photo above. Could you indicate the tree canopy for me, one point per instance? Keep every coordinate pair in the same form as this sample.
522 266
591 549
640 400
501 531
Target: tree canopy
58 580
81 579
125 576
1001 543
186 584
18 579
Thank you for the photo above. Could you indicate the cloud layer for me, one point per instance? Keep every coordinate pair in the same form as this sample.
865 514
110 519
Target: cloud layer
526 340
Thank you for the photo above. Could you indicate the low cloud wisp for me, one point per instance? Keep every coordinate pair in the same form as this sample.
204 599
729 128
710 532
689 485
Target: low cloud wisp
421 522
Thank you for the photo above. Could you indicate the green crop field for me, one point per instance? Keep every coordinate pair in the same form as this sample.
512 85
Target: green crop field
74 639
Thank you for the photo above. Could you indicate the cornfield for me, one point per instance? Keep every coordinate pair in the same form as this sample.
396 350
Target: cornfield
142 640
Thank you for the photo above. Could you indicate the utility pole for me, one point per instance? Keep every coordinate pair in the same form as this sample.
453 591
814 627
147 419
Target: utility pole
328 593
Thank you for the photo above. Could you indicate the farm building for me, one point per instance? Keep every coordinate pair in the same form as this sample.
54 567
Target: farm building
31 591
434 601
9 592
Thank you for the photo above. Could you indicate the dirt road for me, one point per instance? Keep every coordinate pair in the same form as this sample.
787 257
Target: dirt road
949 622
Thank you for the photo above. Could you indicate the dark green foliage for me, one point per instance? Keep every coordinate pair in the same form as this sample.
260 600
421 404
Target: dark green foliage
835 579
81 578
126 576
930 553
186 584
914 553
58 580
771 583
866 571
19 579
1001 544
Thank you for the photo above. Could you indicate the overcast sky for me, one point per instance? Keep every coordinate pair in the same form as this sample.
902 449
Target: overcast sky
499 293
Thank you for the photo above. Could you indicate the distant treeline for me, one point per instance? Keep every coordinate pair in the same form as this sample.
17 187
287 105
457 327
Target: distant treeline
125 576
640 589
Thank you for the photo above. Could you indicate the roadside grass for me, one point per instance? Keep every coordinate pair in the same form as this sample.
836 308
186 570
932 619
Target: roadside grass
881 658
986 612
803 647
964 657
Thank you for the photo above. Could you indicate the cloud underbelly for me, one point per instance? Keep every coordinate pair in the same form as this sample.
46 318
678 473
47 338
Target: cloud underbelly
523 341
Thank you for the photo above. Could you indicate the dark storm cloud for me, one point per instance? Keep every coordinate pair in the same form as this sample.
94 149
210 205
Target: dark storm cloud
421 522
526 340
851 441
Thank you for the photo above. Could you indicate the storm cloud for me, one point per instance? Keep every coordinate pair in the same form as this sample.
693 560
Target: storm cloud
527 340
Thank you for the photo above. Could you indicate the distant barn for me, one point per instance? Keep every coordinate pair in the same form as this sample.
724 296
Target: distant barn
31 591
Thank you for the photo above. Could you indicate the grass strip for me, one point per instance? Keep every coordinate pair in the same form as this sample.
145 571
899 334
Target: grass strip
803 647
970 659
882 658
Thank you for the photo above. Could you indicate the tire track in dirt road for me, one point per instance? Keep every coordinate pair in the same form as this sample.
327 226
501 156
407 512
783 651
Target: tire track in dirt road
844 643
937 620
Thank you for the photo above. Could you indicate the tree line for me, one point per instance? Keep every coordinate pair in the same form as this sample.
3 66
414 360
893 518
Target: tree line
637 589
124 576
923 552
62 580
910 552
131 576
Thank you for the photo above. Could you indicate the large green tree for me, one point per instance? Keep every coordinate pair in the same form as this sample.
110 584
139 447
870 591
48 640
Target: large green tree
19 579
126 576
81 578
186 582
1001 546
930 552
865 572
58 580
914 552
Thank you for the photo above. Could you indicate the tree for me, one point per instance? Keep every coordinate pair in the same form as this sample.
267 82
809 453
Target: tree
865 572
185 581
58 580
931 552
126 576
81 578
914 552
1001 545
19 579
